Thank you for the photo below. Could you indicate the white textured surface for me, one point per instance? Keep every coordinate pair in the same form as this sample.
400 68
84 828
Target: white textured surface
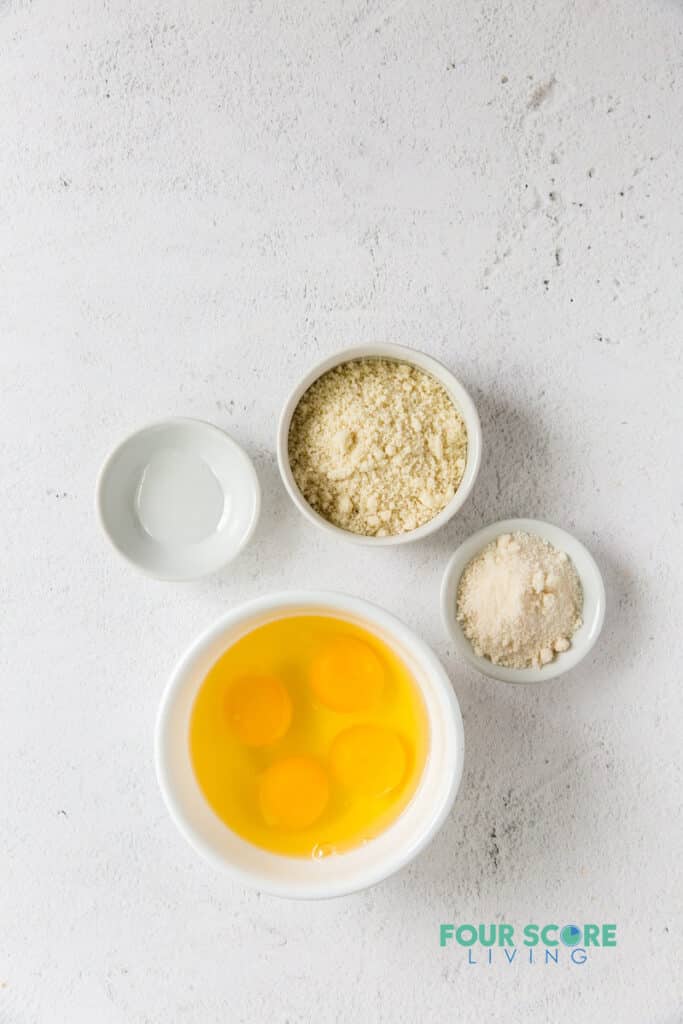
197 201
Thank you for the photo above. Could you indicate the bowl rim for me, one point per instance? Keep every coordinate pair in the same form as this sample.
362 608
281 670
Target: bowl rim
312 888
591 581
188 422
423 361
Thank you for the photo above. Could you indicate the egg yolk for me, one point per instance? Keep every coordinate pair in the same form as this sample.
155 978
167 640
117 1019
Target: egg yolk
259 710
277 751
347 675
368 759
293 792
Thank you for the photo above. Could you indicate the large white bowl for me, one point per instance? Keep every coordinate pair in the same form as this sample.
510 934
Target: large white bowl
461 400
593 600
303 878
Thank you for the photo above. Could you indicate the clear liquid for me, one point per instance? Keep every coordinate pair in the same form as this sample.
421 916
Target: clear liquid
179 500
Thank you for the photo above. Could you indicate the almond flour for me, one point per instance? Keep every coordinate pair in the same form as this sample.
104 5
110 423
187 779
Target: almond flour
519 601
377 446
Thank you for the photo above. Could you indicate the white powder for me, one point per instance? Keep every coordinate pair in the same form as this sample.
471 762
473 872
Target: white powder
377 446
519 601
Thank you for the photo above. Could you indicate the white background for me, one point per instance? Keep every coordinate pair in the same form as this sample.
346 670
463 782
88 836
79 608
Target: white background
197 202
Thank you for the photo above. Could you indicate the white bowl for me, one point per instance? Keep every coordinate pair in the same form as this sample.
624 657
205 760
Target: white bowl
178 499
307 878
593 600
461 400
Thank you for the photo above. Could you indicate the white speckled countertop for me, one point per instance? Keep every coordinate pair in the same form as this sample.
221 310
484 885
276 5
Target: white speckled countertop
198 201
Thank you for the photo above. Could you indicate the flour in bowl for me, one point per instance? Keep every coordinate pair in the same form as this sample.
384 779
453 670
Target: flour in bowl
377 446
519 601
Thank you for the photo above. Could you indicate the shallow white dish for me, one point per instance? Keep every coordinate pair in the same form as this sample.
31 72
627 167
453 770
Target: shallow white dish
593 600
307 878
461 400
178 499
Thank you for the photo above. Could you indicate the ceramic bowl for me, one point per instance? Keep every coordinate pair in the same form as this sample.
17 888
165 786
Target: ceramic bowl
461 400
178 499
308 878
593 600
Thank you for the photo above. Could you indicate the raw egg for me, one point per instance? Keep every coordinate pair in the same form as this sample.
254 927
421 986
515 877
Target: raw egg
347 675
368 759
259 710
294 792
308 736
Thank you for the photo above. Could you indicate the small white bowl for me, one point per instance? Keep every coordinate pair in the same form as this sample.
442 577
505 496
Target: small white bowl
593 600
178 499
461 400
294 877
